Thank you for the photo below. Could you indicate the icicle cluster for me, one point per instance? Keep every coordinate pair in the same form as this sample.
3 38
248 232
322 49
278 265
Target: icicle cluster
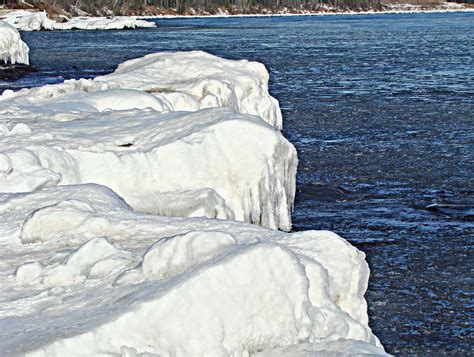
12 48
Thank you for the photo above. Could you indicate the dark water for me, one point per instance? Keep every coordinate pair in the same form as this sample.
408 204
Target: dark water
381 110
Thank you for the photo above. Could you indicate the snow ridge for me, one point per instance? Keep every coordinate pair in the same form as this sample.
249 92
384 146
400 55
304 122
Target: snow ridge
125 204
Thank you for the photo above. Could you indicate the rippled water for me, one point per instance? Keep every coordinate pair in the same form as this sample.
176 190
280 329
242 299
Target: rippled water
381 110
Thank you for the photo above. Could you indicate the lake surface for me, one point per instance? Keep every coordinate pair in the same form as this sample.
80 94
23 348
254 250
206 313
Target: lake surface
381 110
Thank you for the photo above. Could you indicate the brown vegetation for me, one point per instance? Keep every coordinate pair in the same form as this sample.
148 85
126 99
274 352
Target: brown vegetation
56 8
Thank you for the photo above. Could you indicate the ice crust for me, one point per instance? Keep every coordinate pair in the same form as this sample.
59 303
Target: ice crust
36 21
123 132
12 49
109 243
118 280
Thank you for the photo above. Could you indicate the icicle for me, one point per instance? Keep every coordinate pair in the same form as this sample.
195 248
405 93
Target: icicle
12 49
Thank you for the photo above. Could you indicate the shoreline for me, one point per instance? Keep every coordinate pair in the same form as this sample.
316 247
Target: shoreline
402 9
319 13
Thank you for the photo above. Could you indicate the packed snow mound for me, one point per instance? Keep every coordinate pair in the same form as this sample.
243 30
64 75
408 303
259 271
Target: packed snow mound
171 256
53 222
94 260
171 286
203 202
230 165
106 100
121 131
36 21
12 49
180 81
29 21
105 23
206 81
338 348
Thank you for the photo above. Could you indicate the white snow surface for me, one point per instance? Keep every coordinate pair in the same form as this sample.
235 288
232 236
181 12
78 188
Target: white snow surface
129 131
12 49
120 202
337 348
115 281
36 21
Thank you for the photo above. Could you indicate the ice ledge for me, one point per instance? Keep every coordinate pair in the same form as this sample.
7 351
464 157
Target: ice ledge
101 278
12 49
184 126
36 21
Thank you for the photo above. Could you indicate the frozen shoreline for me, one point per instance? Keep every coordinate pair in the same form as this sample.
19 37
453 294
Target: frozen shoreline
37 21
321 13
34 21
125 203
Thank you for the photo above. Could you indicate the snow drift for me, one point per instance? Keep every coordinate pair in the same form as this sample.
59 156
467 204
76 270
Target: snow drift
135 140
115 281
36 21
109 190
12 49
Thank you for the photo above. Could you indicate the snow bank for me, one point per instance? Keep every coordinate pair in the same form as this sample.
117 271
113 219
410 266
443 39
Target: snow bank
126 132
12 48
182 81
94 261
338 348
202 81
246 168
35 21
169 286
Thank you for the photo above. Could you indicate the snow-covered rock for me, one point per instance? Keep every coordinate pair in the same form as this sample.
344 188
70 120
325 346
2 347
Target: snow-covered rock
170 286
124 132
35 21
12 49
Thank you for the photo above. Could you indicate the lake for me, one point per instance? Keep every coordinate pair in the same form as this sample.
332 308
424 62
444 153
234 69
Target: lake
381 110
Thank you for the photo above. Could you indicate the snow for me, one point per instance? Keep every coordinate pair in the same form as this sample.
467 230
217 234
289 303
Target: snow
36 21
123 203
231 165
208 81
338 348
176 81
12 49
118 280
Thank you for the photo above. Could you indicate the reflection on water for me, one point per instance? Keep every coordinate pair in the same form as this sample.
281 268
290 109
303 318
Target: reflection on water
381 110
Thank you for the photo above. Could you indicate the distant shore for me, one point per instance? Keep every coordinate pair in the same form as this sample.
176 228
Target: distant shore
310 13
388 8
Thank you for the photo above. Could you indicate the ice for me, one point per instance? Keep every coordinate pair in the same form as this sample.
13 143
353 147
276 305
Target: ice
12 49
171 256
248 167
208 81
338 348
181 81
203 202
125 204
201 287
35 21
121 131
94 260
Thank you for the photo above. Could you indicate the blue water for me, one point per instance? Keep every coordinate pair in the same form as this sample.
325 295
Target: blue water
381 110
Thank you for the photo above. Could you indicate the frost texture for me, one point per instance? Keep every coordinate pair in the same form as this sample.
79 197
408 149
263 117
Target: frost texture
12 49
